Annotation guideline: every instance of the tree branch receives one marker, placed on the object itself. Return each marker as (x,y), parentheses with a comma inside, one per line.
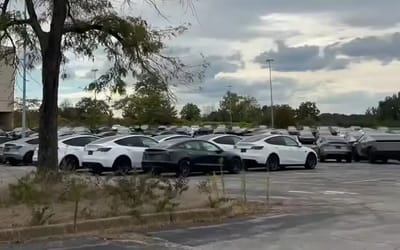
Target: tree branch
(33,19)
(81,27)
(4,7)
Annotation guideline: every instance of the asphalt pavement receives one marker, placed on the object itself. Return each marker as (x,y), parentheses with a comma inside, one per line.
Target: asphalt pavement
(336,206)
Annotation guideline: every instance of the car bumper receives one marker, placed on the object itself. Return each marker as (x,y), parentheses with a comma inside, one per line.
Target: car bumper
(255,158)
(14,156)
(160,166)
(335,154)
(99,159)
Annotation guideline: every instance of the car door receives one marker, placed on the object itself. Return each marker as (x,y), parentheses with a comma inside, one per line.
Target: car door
(297,154)
(279,144)
(76,146)
(212,156)
(134,148)
(195,152)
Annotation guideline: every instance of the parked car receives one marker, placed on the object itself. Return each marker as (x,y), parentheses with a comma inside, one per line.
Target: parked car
(168,137)
(184,156)
(334,147)
(275,152)
(306,137)
(20,151)
(70,151)
(225,141)
(379,146)
(3,141)
(203,131)
(293,130)
(116,153)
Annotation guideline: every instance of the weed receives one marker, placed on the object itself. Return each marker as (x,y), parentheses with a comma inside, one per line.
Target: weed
(210,187)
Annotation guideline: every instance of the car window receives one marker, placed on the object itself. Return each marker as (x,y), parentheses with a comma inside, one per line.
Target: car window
(33,141)
(130,142)
(209,147)
(80,141)
(176,137)
(148,142)
(290,142)
(191,145)
(277,140)
(225,140)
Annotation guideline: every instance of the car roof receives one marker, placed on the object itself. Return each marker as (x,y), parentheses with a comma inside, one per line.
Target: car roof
(68,137)
(213,136)
(115,137)
(161,137)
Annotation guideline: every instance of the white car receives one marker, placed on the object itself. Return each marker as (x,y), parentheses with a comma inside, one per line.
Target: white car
(70,151)
(20,151)
(162,138)
(224,141)
(274,152)
(117,153)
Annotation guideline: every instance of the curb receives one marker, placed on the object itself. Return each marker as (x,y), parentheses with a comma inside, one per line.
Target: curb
(121,222)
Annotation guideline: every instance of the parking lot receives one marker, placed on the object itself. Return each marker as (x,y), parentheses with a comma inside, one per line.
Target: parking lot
(336,206)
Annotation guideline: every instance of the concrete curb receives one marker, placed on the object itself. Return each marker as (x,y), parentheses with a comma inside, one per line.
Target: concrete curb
(121,222)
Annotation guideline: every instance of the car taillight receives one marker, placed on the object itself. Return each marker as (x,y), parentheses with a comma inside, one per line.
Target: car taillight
(103,149)
(257,147)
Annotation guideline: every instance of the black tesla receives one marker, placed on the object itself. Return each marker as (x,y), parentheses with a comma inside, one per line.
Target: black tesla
(188,155)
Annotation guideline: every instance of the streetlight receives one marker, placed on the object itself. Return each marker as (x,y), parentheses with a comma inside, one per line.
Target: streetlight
(230,104)
(269,61)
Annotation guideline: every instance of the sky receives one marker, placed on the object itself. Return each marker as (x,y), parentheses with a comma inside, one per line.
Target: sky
(343,54)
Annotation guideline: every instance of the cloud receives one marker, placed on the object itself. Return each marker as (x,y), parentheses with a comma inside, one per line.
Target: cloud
(383,48)
(302,58)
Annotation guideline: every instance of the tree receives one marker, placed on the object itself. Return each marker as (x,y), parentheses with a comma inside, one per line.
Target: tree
(150,104)
(53,27)
(389,108)
(307,112)
(190,112)
(93,112)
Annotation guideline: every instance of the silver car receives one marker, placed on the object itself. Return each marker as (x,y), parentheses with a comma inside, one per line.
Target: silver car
(377,147)
(20,151)
(334,147)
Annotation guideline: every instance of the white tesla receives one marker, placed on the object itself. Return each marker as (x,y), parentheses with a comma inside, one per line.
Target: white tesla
(275,152)
(225,141)
(116,153)
(70,151)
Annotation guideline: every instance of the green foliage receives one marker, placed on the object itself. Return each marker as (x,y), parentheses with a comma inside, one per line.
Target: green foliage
(307,113)
(150,104)
(210,188)
(93,112)
(169,191)
(190,112)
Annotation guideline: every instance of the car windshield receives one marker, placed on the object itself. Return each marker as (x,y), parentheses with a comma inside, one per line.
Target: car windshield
(169,143)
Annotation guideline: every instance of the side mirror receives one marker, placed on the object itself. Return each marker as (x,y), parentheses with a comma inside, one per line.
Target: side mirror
(219,151)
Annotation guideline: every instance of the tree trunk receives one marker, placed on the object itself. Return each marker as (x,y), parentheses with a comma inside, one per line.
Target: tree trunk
(51,61)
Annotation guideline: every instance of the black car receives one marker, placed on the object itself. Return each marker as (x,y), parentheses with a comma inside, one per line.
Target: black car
(184,156)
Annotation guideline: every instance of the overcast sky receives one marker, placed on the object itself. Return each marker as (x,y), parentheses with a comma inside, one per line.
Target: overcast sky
(342,54)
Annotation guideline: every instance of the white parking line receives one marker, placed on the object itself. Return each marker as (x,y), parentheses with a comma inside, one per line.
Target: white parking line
(368,180)
(337,192)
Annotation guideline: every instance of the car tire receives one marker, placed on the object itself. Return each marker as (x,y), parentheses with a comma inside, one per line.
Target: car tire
(384,160)
(338,160)
(349,158)
(322,159)
(272,163)
(27,160)
(13,162)
(184,168)
(122,166)
(311,161)
(236,166)
(69,163)
(356,157)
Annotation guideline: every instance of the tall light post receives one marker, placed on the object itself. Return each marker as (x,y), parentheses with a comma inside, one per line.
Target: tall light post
(230,104)
(95,78)
(269,61)
(24,84)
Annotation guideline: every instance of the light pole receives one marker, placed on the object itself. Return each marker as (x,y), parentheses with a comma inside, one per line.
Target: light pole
(24,84)
(95,89)
(269,61)
(230,104)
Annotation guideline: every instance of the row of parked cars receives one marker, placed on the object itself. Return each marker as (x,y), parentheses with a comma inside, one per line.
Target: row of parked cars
(180,153)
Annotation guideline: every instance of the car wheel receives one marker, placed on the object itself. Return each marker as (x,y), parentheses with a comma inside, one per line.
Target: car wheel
(356,157)
(272,163)
(322,159)
(349,158)
(236,166)
(13,162)
(311,161)
(27,160)
(384,160)
(338,160)
(69,164)
(184,168)
(122,166)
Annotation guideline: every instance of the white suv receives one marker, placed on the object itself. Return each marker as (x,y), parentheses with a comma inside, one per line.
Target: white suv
(116,153)
(70,151)
(274,152)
